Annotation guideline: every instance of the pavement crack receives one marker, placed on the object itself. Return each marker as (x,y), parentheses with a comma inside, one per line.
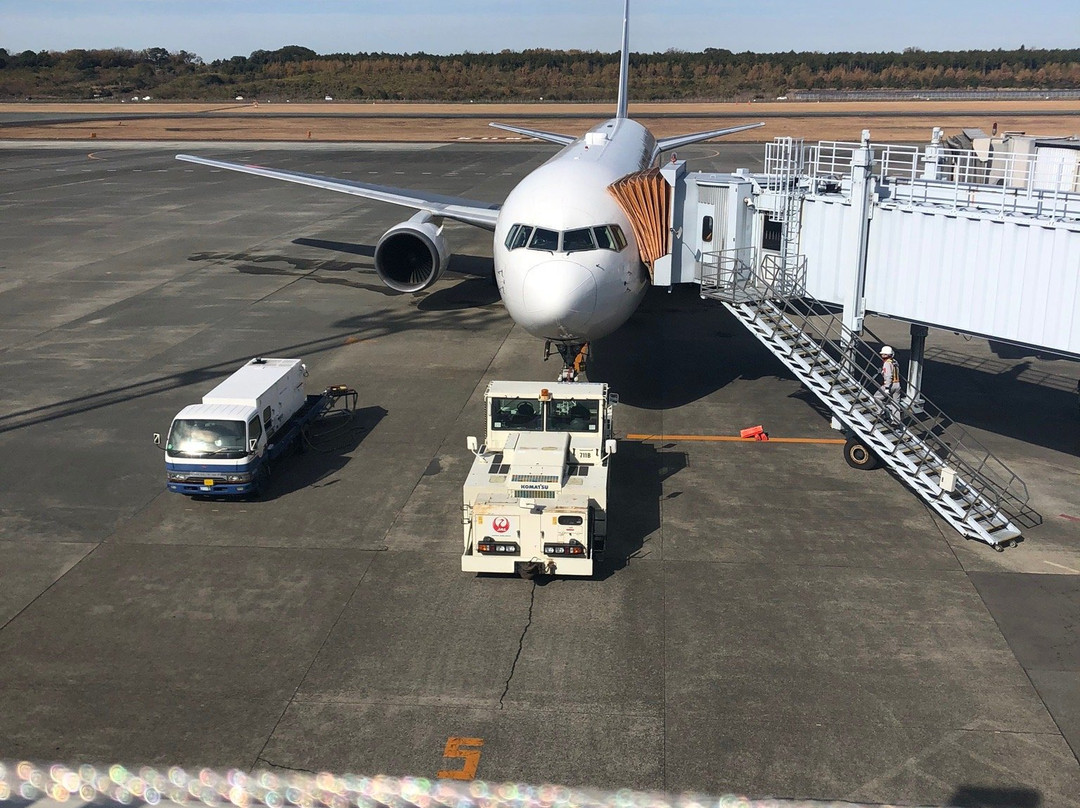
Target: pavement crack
(521,644)
(286,768)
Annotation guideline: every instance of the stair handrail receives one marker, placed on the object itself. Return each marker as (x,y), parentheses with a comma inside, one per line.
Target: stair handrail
(824,328)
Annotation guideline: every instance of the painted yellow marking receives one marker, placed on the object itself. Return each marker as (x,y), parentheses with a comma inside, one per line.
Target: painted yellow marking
(459,748)
(731,439)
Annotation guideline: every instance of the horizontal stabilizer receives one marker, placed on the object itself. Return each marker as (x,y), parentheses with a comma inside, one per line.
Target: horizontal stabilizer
(468,211)
(668,143)
(550,137)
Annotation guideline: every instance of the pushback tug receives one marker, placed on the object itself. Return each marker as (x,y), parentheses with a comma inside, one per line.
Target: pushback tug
(535,500)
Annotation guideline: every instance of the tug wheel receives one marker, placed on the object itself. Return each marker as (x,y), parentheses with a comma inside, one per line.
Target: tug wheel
(859,456)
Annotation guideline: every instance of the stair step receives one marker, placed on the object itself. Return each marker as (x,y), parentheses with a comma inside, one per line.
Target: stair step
(913,446)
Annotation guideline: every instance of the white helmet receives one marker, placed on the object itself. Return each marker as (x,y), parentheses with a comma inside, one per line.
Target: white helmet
(887,351)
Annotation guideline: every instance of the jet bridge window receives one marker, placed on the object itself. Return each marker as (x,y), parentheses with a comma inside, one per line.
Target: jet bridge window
(518,236)
(517,414)
(544,240)
(570,415)
(578,240)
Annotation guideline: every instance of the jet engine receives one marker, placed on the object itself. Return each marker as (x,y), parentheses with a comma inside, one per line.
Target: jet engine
(412,255)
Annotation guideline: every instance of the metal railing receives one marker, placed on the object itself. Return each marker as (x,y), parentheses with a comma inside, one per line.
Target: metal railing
(1043,185)
(849,362)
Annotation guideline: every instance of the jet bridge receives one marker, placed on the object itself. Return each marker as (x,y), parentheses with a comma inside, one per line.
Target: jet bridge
(980,242)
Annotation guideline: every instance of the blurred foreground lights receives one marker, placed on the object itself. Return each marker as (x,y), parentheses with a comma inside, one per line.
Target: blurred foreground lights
(286,789)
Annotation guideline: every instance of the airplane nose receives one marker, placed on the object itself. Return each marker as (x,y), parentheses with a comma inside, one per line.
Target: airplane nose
(559,297)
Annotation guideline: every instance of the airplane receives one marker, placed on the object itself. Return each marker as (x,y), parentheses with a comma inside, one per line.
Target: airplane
(567,263)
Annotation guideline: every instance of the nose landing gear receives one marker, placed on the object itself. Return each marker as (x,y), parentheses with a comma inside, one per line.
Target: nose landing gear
(574,356)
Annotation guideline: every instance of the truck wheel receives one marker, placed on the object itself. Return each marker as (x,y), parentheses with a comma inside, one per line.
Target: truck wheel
(262,480)
(859,456)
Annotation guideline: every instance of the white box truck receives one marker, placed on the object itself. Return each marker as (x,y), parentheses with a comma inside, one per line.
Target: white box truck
(535,500)
(224,445)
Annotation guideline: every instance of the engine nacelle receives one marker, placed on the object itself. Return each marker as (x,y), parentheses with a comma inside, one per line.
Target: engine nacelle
(412,255)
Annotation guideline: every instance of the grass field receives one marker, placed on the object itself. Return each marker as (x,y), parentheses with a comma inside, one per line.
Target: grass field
(344,122)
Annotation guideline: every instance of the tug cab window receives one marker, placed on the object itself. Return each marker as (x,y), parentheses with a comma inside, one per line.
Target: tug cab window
(578,240)
(569,415)
(517,414)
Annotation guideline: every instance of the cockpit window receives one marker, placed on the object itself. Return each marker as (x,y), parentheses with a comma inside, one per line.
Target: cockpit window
(544,240)
(610,237)
(518,236)
(578,240)
(604,237)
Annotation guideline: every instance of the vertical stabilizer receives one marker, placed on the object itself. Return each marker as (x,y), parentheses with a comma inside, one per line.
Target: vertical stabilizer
(624,63)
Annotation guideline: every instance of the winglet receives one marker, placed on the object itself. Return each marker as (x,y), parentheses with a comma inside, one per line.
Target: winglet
(624,64)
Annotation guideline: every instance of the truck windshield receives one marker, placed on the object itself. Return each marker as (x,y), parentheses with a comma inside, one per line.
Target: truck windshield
(518,414)
(199,438)
(570,415)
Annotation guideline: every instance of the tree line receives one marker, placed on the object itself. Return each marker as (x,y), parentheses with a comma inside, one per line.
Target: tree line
(298,73)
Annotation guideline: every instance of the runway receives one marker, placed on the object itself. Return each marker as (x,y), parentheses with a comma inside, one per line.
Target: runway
(769,621)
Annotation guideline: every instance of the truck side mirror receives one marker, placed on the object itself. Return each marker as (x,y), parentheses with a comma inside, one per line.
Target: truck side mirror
(157,438)
(611,446)
(252,444)
(471,444)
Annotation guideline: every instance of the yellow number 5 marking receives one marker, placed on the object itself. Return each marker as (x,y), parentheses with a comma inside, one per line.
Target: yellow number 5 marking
(459,748)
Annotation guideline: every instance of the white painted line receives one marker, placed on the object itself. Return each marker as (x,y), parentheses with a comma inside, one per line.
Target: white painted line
(1062,567)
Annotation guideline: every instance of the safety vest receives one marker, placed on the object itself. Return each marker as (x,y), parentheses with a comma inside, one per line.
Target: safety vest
(890,373)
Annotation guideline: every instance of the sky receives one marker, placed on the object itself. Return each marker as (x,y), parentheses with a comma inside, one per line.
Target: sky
(222,28)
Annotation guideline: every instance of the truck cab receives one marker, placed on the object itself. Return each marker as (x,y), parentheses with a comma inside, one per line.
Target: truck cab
(215,449)
(223,445)
(535,500)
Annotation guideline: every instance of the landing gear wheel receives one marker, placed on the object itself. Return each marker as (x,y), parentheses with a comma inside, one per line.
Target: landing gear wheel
(859,456)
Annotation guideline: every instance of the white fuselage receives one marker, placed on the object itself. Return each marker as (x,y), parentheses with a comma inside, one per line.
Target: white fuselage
(575,295)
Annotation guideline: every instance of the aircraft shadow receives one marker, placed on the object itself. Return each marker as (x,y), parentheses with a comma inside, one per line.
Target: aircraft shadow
(677,349)
(477,290)
(325,453)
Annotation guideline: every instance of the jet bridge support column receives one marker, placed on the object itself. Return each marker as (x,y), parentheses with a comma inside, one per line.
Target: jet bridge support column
(852,254)
(913,396)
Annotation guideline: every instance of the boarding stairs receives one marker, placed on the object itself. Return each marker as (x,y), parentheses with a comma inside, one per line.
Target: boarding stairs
(957,477)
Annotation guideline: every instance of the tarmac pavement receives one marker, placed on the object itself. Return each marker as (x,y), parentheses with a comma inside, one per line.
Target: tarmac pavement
(768,621)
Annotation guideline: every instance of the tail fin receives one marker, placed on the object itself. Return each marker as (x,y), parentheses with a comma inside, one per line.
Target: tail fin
(624,63)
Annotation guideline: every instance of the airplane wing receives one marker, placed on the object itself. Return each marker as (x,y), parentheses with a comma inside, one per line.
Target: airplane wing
(481,214)
(667,143)
(550,137)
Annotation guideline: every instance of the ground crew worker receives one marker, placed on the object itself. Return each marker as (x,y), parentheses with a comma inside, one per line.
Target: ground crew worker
(889,395)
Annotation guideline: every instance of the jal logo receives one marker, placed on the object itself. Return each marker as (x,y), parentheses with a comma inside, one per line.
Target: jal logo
(501,524)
